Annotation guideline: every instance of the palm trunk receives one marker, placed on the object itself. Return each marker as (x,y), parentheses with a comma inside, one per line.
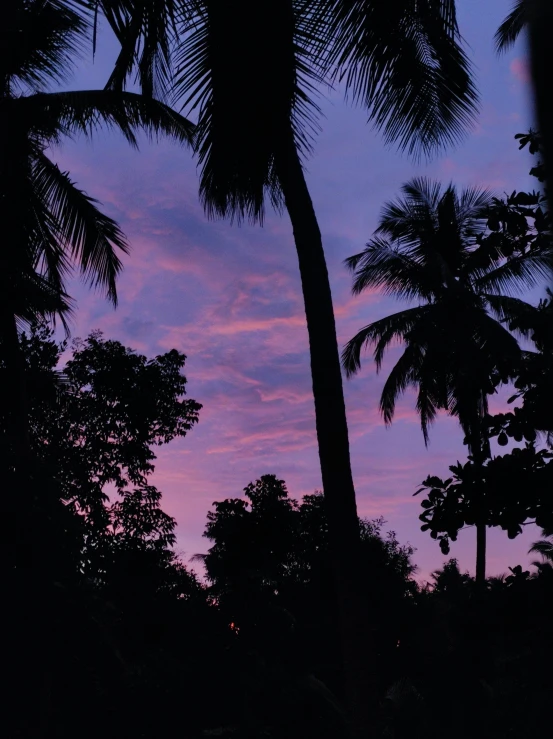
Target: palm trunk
(541,49)
(14,392)
(332,437)
(480,452)
(17,549)
(481,554)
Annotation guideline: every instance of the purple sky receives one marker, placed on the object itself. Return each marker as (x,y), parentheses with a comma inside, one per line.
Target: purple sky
(230,298)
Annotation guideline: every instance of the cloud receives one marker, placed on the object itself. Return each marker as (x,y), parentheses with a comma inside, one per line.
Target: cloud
(520,70)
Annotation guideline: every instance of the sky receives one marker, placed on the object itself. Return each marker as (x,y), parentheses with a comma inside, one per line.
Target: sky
(229,297)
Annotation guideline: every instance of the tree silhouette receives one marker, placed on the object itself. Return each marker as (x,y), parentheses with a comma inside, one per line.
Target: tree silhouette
(431,247)
(108,608)
(93,430)
(269,569)
(402,61)
(450,579)
(517,488)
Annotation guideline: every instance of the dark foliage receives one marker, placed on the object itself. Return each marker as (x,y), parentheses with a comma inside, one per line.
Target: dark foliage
(270,571)
(100,605)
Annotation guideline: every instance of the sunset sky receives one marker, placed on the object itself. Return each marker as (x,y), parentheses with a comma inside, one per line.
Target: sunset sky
(230,298)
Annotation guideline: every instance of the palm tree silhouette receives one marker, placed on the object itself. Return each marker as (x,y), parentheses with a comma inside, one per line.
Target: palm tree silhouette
(49,224)
(426,249)
(249,71)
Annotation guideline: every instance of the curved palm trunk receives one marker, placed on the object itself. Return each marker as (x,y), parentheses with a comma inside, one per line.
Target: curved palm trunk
(541,49)
(480,554)
(332,437)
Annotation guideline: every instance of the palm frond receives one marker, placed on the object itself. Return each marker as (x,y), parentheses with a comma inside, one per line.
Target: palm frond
(405,63)
(38,299)
(517,274)
(543,547)
(511,310)
(406,220)
(423,191)
(512,26)
(58,114)
(386,267)
(81,229)
(472,206)
(147,32)
(40,42)
(411,371)
(381,334)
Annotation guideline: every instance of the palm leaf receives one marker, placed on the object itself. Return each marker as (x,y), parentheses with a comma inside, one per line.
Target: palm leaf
(389,268)
(38,299)
(511,310)
(147,32)
(411,371)
(404,62)
(59,114)
(512,26)
(80,228)
(40,42)
(380,334)
(406,220)
(517,274)
(543,547)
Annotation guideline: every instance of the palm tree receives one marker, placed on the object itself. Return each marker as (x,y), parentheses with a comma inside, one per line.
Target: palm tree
(426,249)
(49,225)
(249,70)
(450,580)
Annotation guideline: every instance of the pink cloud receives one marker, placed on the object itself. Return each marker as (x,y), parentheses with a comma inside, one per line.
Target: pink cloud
(520,70)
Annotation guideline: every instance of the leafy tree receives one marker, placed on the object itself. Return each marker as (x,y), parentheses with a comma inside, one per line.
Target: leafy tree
(107,602)
(94,426)
(402,61)
(517,488)
(438,247)
(50,225)
(270,570)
